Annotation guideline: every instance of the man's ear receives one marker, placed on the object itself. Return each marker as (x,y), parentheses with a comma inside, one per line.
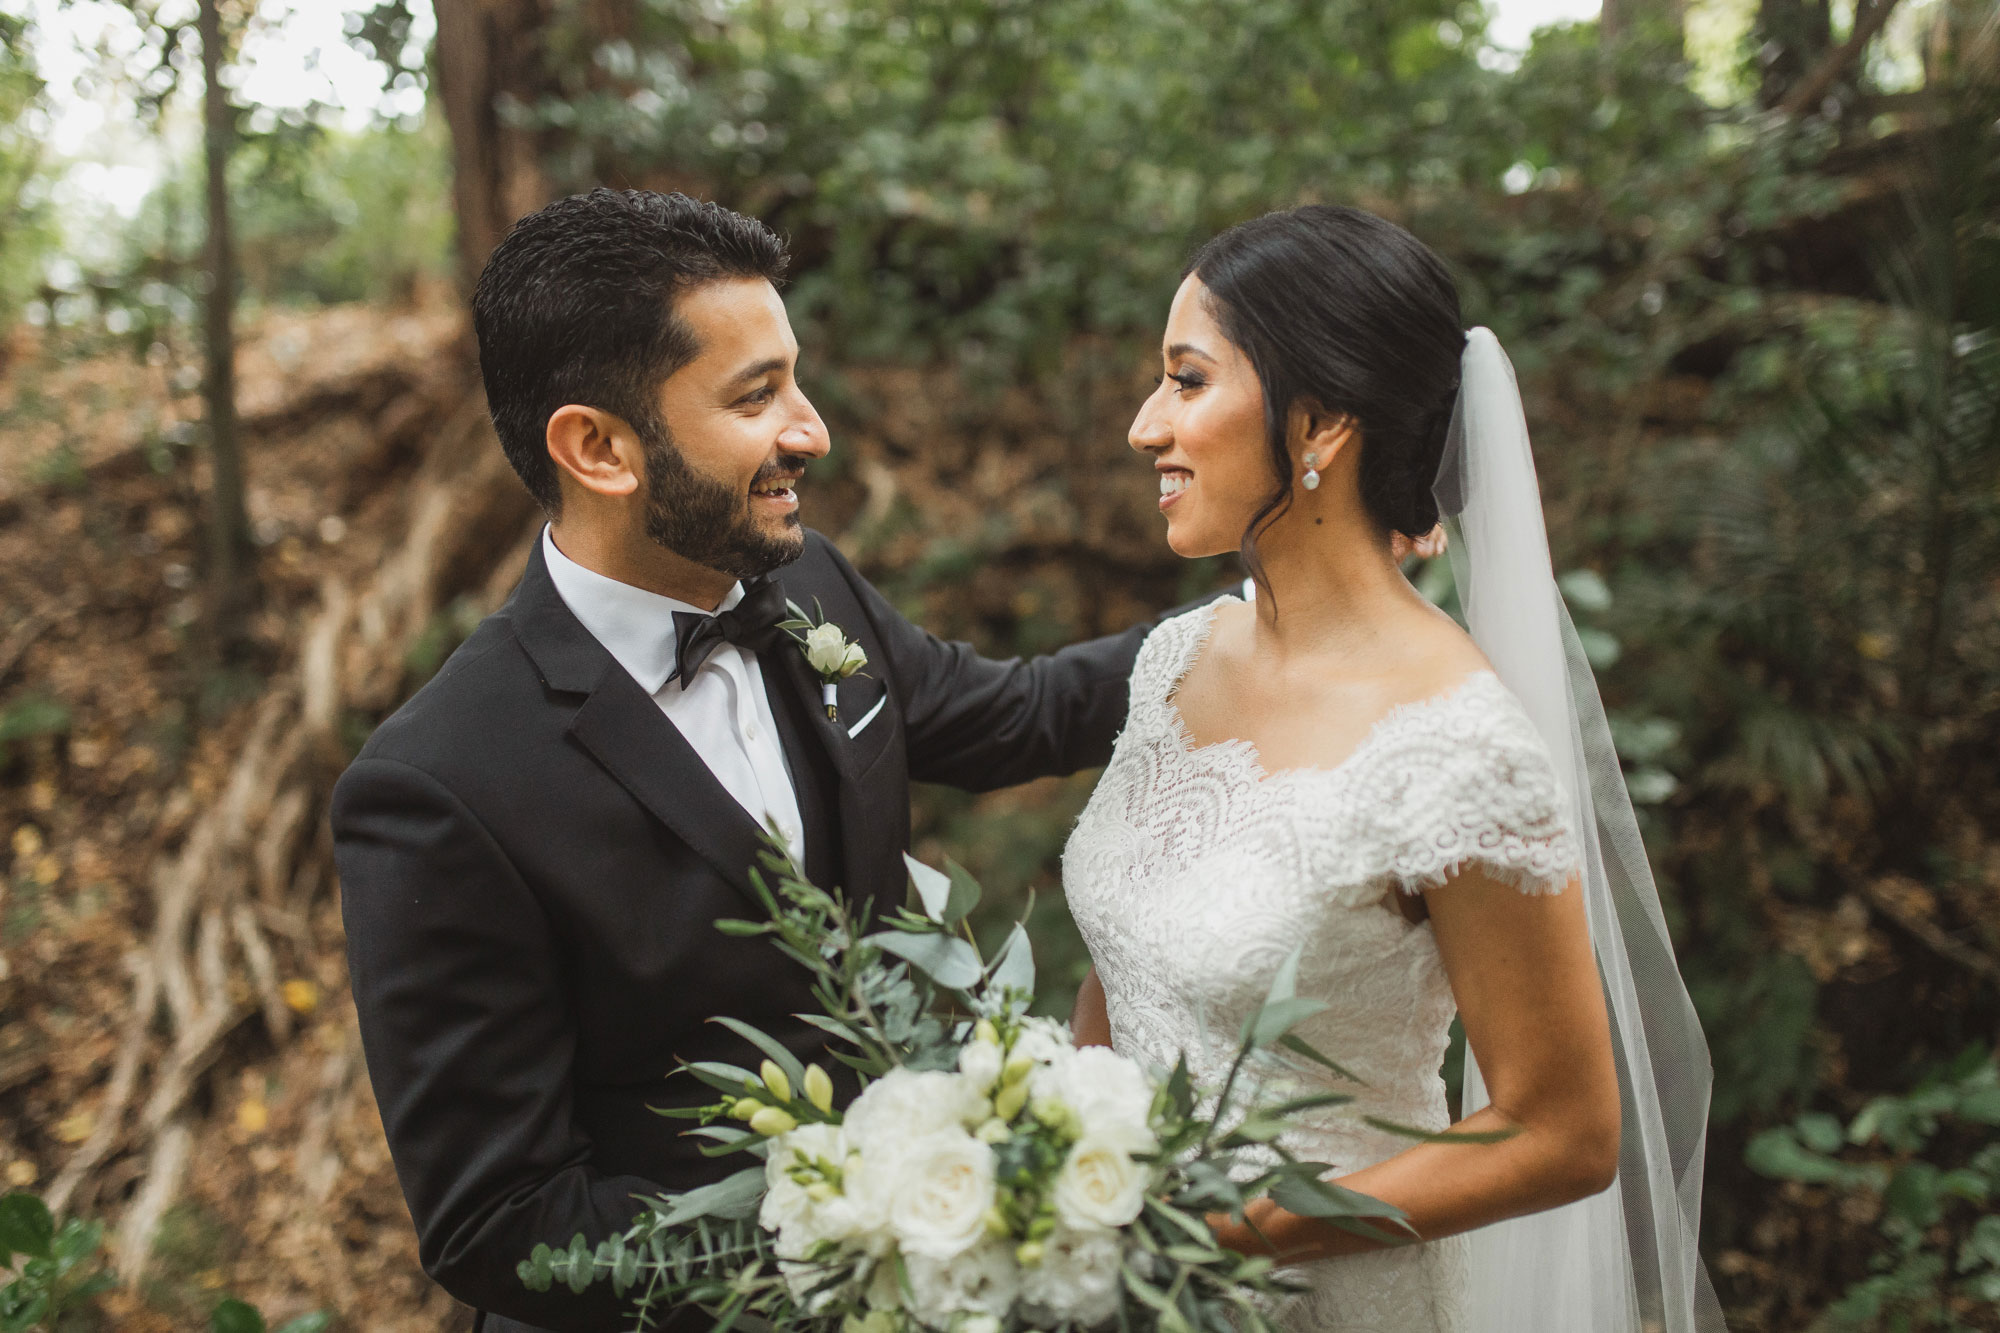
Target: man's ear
(596,448)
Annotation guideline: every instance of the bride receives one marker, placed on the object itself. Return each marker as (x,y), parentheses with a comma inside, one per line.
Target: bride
(1434,819)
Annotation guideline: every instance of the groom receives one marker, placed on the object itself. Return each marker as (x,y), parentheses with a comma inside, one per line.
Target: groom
(534,849)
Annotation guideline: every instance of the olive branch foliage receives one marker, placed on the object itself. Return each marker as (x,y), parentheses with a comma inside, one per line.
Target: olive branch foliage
(906,995)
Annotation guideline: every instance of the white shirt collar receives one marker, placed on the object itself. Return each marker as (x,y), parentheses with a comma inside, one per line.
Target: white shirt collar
(635,626)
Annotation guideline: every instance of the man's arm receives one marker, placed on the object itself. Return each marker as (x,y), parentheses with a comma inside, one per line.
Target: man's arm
(978,723)
(469,1045)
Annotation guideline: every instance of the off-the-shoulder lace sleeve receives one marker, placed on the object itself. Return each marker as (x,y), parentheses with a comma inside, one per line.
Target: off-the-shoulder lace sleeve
(1467,781)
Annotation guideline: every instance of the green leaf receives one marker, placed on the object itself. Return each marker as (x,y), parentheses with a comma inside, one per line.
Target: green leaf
(770,1046)
(1278,1017)
(1443,1135)
(730,926)
(833,1026)
(732,1196)
(964,894)
(581,1269)
(1014,969)
(316,1322)
(1820,1132)
(945,959)
(933,887)
(25,1226)
(1285,981)
(234,1316)
(1302,1192)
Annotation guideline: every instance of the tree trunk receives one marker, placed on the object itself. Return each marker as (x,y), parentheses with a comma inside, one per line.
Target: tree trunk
(229,525)
(1793,36)
(1620,19)
(490,51)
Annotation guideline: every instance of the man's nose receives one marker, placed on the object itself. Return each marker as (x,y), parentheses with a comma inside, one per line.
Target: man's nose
(806,433)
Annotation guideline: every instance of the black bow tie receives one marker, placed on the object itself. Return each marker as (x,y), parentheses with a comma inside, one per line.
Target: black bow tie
(752,623)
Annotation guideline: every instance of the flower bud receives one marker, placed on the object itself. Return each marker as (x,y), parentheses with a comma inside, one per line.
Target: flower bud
(819,1191)
(744,1107)
(993,1131)
(1029,1253)
(1007,1103)
(771,1121)
(1017,1069)
(853,661)
(819,1088)
(775,1080)
(984,1031)
(996,1224)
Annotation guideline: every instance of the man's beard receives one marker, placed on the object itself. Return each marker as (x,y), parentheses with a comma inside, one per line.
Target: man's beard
(703,520)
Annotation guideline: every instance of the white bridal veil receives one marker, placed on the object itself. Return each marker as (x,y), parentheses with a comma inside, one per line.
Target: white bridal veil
(1623,1261)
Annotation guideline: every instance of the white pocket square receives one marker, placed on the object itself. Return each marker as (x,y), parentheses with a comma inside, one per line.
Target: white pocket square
(867,717)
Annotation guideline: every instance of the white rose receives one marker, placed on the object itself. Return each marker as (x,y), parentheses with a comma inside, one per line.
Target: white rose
(1077,1279)
(1100,1185)
(982,1281)
(855,659)
(979,1062)
(826,648)
(943,1187)
(905,1104)
(1108,1092)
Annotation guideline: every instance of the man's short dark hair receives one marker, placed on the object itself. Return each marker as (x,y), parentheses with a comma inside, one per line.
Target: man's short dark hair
(577,306)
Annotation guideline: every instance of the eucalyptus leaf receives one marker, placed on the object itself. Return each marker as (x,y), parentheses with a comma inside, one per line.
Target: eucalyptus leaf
(945,959)
(933,888)
(1014,969)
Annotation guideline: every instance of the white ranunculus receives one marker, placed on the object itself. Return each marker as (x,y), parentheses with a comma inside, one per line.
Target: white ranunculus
(1041,1039)
(943,1185)
(982,1281)
(1108,1092)
(905,1104)
(1077,1279)
(826,648)
(1099,1184)
(980,1062)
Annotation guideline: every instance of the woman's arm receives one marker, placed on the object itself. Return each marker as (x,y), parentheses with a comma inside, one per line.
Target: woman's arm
(1525,978)
(1089,1023)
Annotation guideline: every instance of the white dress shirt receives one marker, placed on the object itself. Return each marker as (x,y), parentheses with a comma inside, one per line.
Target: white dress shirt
(723,712)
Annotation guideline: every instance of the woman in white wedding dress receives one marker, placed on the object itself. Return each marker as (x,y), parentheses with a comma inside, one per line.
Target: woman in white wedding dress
(1336,767)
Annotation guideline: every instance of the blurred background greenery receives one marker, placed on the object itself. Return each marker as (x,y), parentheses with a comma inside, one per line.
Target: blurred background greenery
(1744,253)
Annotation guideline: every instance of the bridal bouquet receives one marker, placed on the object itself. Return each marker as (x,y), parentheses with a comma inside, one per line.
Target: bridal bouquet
(990,1175)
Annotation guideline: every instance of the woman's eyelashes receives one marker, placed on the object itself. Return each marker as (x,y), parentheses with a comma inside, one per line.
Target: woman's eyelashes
(1185,382)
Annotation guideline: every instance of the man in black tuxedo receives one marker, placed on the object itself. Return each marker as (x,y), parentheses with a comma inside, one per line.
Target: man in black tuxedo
(534,849)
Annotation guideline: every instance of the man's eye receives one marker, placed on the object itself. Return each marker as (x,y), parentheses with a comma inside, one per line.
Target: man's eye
(761,396)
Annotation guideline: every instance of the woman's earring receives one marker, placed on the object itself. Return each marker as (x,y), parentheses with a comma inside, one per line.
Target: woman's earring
(1311,479)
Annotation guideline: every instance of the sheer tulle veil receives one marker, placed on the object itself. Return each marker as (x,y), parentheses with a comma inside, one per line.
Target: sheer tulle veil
(1623,1260)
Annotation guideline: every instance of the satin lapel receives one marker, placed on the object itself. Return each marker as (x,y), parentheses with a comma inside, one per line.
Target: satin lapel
(625,731)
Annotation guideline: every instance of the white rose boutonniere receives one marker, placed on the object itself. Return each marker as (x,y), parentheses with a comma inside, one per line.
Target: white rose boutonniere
(828,650)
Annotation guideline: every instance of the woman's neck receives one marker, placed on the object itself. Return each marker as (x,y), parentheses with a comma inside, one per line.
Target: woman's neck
(1333,587)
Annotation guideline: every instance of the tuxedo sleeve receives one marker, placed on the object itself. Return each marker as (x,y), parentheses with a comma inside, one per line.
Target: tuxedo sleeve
(979,723)
(469,1043)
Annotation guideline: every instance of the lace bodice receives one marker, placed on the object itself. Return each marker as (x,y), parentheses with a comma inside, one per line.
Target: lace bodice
(1193,873)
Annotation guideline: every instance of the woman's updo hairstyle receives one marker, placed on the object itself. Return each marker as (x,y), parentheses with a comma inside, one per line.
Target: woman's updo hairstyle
(1341,308)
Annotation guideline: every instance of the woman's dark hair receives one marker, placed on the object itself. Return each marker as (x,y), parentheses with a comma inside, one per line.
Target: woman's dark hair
(576,305)
(1344,310)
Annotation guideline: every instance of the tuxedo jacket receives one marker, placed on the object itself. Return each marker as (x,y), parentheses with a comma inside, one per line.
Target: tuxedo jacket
(531,863)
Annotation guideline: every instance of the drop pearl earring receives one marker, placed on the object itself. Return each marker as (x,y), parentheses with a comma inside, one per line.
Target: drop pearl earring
(1311,478)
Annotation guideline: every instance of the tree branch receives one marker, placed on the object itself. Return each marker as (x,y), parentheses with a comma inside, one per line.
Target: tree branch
(1813,89)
